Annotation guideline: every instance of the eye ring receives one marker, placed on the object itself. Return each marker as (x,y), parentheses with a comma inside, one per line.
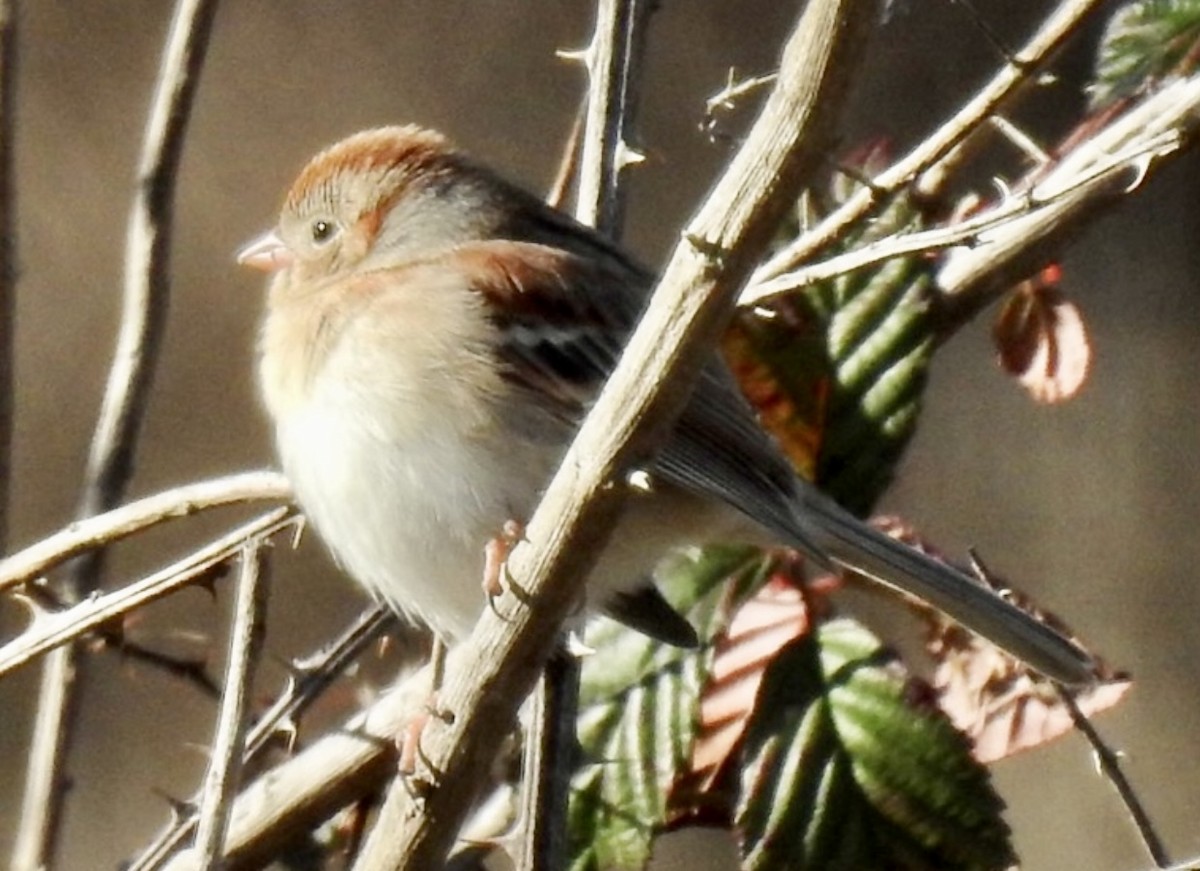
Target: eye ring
(322,230)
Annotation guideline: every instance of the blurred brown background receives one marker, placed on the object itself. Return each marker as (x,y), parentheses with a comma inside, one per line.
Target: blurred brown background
(1092,505)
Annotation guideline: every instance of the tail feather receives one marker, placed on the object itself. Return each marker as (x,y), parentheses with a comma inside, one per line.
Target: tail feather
(855,545)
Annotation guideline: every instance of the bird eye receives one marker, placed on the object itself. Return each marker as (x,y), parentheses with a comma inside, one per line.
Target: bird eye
(322,230)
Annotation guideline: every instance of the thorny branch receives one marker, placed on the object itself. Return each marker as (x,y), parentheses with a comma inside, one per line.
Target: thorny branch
(310,678)
(1019,69)
(614,61)
(111,460)
(50,631)
(1009,252)
(134,517)
(225,757)
(1110,766)
(1093,181)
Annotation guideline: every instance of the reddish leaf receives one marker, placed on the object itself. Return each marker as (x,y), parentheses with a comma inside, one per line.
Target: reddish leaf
(776,615)
(789,393)
(1042,341)
(992,698)
(998,702)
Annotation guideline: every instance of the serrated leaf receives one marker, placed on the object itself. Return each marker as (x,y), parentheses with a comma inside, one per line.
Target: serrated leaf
(844,769)
(1002,707)
(776,615)
(1145,42)
(638,710)
(836,371)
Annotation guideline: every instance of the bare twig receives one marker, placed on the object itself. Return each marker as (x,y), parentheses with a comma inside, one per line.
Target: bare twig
(1048,39)
(567,166)
(614,62)
(245,648)
(1110,766)
(687,312)
(307,789)
(970,278)
(549,760)
(103,529)
(110,462)
(147,258)
(1093,179)
(8,250)
(310,678)
(49,631)
(726,99)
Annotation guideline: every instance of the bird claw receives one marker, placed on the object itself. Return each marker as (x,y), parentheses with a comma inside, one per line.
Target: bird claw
(496,577)
(410,755)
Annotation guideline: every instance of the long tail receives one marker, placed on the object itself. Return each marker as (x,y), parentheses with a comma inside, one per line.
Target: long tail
(853,544)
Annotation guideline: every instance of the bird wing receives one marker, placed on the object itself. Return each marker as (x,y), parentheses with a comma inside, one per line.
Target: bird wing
(563,320)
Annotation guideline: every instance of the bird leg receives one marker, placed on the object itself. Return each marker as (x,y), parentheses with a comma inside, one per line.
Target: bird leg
(495,560)
(408,742)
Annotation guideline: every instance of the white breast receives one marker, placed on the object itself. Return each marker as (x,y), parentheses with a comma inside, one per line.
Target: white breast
(407,518)
(401,469)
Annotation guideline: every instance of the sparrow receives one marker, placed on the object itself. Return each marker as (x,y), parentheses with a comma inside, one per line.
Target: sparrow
(433,337)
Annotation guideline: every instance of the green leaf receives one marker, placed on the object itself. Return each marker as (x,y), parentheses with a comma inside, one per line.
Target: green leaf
(638,710)
(843,770)
(837,373)
(1145,42)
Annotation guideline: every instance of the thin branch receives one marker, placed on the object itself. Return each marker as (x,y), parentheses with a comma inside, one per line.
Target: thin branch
(726,100)
(1110,766)
(245,649)
(110,462)
(147,259)
(49,631)
(549,759)
(299,794)
(649,387)
(969,279)
(310,679)
(1092,180)
(1049,38)
(134,517)
(614,61)
(9,11)
(45,783)
(569,164)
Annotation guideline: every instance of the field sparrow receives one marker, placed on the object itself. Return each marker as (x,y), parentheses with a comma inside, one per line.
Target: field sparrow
(433,336)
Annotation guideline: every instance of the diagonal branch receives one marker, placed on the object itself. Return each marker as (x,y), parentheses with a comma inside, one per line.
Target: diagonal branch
(54,630)
(1091,182)
(135,517)
(101,530)
(685,316)
(1045,42)
(310,679)
(969,279)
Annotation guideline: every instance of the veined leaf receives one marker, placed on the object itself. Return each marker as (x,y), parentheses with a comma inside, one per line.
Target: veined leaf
(638,708)
(844,769)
